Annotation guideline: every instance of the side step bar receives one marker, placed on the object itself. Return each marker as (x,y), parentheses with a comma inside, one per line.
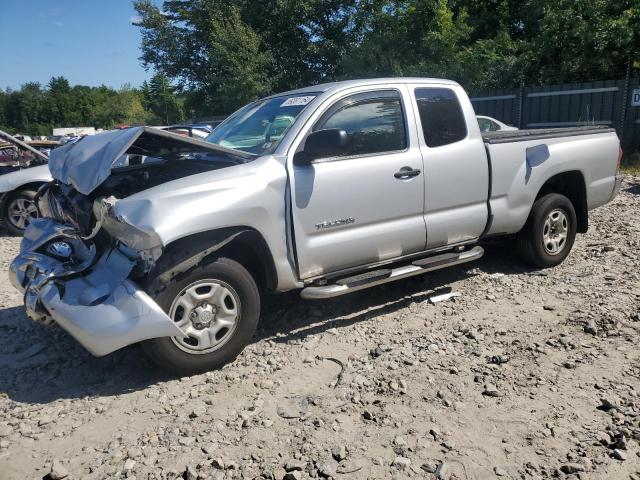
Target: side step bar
(378,277)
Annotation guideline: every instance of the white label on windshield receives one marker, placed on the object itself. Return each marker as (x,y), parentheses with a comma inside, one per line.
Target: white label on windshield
(295,101)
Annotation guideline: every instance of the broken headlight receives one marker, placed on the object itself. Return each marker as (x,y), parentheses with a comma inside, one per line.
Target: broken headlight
(60,250)
(146,245)
(66,205)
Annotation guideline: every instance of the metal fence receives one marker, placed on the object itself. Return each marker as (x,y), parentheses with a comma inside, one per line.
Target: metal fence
(609,102)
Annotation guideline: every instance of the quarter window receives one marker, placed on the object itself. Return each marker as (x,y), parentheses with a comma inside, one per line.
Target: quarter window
(374,122)
(441,116)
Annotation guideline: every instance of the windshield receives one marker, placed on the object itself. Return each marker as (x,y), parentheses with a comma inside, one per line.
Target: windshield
(259,127)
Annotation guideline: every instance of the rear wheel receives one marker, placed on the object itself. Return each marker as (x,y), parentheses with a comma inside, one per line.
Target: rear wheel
(550,231)
(20,211)
(217,306)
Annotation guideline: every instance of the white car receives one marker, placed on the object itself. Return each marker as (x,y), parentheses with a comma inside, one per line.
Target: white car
(489,124)
(23,169)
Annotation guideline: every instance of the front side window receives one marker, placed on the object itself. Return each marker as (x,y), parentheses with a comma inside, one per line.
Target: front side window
(441,116)
(259,127)
(374,122)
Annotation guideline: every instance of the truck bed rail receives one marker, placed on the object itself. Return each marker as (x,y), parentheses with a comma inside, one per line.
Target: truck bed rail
(509,136)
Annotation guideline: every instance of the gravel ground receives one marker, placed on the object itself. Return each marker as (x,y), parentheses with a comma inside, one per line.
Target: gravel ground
(527,374)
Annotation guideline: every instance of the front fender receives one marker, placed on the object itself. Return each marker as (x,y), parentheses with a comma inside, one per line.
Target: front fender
(250,195)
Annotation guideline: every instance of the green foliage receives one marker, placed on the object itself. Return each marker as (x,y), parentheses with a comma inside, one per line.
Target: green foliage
(585,39)
(631,163)
(161,99)
(36,110)
(226,52)
(431,38)
(240,63)
(212,56)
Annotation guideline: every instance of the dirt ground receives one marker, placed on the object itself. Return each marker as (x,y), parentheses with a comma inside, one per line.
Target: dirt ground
(526,375)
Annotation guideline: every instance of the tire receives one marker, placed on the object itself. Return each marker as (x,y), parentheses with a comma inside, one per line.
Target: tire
(19,209)
(548,236)
(220,288)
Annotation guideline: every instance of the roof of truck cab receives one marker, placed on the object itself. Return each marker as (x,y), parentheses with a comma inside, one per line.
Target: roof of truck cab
(336,86)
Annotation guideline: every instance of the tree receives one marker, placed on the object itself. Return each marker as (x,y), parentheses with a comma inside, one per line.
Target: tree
(208,49)
(59,101)
(227,52)
(25,109)
(211,56)
(432,38)
(35,110)
(127,107)
(584,40)
(3,114)
(161,99)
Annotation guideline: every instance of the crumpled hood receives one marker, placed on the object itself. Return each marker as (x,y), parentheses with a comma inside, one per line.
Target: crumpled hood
(87,163)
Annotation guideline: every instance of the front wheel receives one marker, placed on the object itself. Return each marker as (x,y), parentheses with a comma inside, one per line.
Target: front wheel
(217,306)
(547,238)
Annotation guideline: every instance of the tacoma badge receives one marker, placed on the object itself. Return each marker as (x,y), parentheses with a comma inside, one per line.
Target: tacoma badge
(335,223)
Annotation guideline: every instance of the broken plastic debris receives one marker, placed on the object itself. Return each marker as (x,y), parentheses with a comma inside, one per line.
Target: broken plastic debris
(441,297)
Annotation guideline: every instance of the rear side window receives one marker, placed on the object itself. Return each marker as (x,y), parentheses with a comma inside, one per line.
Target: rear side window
(374,122)
(441,116)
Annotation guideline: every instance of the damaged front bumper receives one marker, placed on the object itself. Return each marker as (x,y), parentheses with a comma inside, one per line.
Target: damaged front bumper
(88,295)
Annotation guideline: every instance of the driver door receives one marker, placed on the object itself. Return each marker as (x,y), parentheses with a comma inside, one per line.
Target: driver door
(357,208)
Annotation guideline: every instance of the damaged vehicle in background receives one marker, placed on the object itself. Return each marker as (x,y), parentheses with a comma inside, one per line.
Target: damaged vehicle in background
(329,190)
(23,169)
(197,131)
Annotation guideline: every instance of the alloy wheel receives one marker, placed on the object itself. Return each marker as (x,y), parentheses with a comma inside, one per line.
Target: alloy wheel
(21,212)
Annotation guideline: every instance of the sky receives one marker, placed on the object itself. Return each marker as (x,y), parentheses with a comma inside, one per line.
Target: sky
(90,42)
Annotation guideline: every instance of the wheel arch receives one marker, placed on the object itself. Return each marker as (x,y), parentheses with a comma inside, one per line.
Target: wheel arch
(572,185)
(243,244)
(34,186)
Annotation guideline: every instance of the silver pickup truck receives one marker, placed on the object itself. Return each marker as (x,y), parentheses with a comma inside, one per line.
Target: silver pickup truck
(327,189)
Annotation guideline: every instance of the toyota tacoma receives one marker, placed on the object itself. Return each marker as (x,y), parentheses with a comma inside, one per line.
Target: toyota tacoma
(328,189)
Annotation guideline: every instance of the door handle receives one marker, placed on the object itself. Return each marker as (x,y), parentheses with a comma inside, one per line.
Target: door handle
(406,172)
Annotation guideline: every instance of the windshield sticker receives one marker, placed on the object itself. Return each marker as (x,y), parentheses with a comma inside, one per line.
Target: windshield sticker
(296,101)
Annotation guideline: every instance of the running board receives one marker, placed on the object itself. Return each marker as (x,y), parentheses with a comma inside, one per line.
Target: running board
(378,277)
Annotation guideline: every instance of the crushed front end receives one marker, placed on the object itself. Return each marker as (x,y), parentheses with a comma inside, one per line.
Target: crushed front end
(78,265)
(74,272)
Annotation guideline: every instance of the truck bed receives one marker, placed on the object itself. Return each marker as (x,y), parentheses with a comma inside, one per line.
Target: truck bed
(509,136)
(521,161)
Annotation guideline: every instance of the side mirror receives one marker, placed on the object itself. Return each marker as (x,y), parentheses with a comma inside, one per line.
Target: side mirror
(331,142)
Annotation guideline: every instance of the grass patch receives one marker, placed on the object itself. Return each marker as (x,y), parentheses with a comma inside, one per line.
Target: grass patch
(631,163)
